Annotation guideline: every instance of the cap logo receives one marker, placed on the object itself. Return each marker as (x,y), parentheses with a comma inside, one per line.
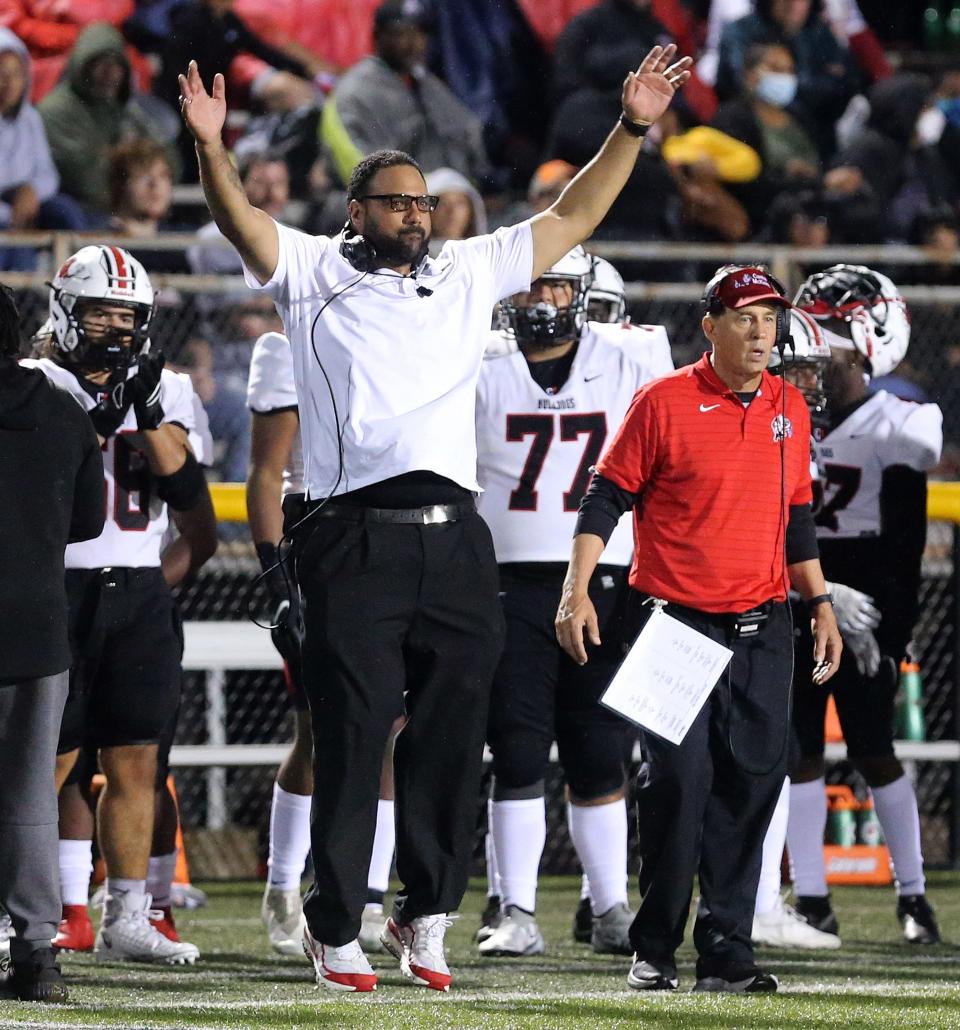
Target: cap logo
(744,279)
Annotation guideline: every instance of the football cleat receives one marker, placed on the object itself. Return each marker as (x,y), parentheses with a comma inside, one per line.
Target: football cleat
(282,915)
(75,932)
(38,978)
(419,947)
(127,935)
(784,927)
(517,934)
(610,934)
(161,919)
(185,895)
(646,975)
(583,922)
(489,918)
(339,969)
(917,919)
(818,912)
(371,924)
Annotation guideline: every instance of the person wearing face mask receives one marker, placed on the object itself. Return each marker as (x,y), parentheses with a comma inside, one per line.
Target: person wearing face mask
(390,100)
(760,117)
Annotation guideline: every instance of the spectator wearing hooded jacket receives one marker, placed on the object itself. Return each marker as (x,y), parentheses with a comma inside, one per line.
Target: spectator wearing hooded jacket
(29,182)
(460,213)
(92,109)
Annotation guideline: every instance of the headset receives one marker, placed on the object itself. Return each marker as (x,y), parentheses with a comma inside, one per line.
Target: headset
(712,304)
(363,256)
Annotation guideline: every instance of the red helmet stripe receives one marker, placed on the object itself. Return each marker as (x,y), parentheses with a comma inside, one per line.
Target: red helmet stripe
(121,264)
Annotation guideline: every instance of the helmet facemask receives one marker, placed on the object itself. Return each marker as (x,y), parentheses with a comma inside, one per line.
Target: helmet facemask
(541,324)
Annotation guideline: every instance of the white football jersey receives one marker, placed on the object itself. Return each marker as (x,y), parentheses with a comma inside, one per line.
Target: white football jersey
(537,450)
(271,387)
(851,458)
(136,518)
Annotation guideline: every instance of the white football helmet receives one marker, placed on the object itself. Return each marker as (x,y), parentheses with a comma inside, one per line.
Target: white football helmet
(541,324)
(805,357)
(102,273)
(606,298)
(876,317)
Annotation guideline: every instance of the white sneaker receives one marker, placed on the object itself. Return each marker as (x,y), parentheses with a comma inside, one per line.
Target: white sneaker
(371,926)
(419,947)
(339,969)
(784,927)
(517,934)
(282,915)
(126,935)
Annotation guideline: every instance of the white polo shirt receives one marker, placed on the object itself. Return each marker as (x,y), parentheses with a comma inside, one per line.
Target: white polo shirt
(402,368)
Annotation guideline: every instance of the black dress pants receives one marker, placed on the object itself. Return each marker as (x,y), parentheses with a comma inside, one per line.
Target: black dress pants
(704,805)
(398,617)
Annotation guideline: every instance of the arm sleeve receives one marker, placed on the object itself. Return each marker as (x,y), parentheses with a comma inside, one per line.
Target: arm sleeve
(89,510)
(903,536)
(801,535)
(601,507)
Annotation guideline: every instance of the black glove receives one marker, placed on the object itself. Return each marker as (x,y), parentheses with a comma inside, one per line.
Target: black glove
(111,410)
(287,618)
(144,389)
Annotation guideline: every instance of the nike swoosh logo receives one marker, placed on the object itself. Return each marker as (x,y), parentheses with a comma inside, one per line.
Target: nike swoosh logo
(704,408)
(590,379)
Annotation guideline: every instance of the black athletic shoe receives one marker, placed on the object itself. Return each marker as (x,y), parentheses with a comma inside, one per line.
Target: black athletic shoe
(818,912)
(917,919)
(583,922)
(647,975)
(736,979)
(490,919)
(37,978)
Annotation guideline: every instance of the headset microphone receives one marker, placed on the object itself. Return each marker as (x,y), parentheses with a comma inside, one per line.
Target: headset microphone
(423,291)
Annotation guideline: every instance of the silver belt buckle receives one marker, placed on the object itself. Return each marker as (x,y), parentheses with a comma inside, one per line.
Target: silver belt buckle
(434,515)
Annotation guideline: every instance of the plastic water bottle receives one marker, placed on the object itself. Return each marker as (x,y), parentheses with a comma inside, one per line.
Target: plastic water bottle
(910,723)
(868,826)
(933,27)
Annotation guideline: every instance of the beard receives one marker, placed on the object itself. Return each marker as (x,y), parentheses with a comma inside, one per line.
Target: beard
(408,247)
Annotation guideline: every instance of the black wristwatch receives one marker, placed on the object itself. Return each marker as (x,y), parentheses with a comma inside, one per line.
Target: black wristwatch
(820,599)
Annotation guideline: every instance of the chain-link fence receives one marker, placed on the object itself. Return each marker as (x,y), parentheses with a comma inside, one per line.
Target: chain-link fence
(208,326)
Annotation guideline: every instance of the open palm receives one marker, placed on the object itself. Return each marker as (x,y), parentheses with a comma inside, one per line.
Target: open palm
(647,92)
(203,113)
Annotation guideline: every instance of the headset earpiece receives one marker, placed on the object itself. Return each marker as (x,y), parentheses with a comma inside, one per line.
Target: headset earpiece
(357,251)
(783,338)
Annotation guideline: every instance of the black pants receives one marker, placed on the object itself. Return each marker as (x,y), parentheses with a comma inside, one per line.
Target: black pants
(396,616)
(704,805)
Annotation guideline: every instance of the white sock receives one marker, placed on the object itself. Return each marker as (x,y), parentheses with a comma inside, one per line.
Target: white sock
(160,874)
(76,870)
(768,889)
(493,868)
(584,879)
(599,833)
(130,893)
(519,833)
(289,838)
(805,826)
(896,806)
(384,841)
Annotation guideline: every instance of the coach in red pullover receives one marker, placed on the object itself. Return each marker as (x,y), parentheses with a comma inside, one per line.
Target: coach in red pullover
(714,460)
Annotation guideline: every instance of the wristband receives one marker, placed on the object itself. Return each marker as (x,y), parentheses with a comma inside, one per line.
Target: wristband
(636,129)
(820,599)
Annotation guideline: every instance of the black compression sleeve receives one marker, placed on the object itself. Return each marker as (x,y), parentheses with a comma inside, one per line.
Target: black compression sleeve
(801,535)
(602,506)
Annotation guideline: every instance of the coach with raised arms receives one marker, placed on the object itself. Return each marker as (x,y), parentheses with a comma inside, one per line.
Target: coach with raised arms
(396,568)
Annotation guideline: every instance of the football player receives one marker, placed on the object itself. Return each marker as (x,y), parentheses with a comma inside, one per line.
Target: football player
(125,682)
(606,297)
(873,457)
(276,474)
(543,414)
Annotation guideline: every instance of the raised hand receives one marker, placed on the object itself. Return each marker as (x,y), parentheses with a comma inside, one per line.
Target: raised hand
(203,113)
(647,92)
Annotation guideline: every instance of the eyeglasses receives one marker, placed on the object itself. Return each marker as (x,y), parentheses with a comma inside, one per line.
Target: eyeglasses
(402,201)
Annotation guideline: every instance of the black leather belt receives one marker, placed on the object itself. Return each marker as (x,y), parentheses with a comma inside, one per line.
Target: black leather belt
(431,515)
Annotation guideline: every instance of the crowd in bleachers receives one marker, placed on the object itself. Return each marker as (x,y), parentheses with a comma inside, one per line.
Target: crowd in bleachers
(805,123)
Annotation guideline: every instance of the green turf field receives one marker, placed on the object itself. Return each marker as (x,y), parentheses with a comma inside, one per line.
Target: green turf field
(875,981)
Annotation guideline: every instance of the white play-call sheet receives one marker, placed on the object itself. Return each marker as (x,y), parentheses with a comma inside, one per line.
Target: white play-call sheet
(666,677)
